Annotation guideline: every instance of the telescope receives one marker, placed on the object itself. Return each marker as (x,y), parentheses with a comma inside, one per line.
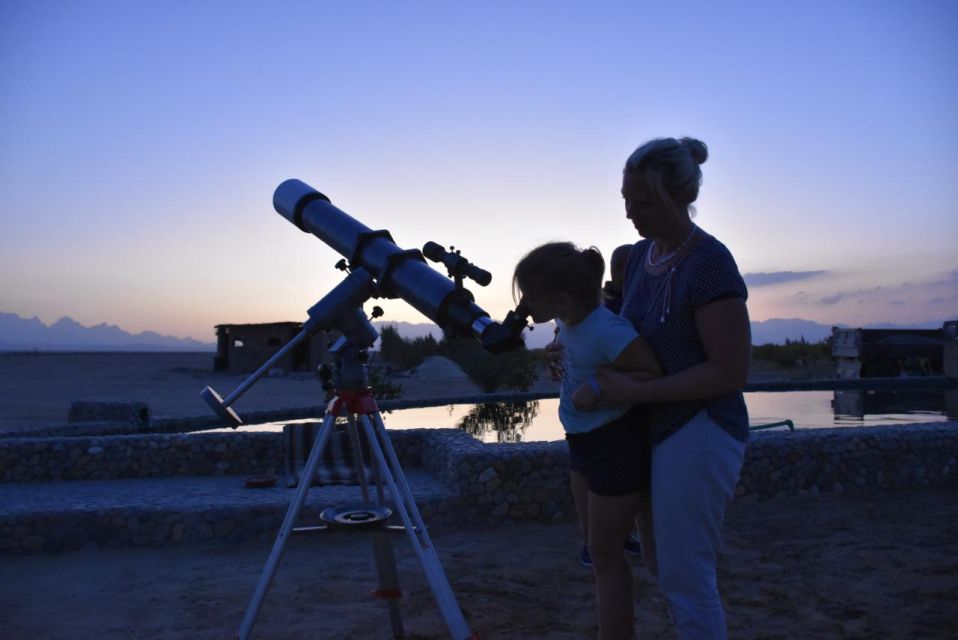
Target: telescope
(377,268)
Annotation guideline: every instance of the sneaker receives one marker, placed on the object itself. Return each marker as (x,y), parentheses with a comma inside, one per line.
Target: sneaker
(585,558)
(632,546)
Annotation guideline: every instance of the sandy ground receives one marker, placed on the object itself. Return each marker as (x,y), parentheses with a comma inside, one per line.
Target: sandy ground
(829,566)
(38,389)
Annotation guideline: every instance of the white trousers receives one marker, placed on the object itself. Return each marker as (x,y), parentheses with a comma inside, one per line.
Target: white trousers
(694,473)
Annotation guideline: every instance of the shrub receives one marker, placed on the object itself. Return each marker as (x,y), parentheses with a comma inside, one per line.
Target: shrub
(794,352)
(402,353)
(516,369)
(383,388)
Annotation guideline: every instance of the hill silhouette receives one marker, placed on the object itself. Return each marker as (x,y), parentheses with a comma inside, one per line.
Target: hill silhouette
(66,334)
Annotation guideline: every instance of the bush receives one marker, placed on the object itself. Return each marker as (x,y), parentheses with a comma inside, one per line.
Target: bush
(794,353)
(383,388)
(402,353)
(516,369)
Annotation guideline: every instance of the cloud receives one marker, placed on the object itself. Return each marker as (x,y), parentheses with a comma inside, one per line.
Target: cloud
(942,289)
(950,279)
(764,279)
(833,299)
(799,297)
(943,300)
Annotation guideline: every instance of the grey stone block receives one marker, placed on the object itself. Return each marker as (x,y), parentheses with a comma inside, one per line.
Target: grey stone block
(136,414)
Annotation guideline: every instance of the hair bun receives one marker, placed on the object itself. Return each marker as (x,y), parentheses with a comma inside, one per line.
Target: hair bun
(594,260)
(697,149)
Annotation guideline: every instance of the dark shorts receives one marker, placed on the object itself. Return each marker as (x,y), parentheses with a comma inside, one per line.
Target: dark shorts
(615,458)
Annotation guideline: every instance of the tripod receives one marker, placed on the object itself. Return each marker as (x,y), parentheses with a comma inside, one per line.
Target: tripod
(353,400)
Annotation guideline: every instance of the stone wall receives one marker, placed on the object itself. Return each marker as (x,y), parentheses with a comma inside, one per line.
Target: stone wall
(483,483)
(142,456)
(503,482)
(777,463)
(157,456)
(810,461)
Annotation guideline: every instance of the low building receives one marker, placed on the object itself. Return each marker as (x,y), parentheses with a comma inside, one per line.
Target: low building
(243,348)
(950,331)
(872,353)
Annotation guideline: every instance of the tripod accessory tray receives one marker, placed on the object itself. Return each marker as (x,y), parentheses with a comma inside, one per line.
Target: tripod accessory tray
(356,516)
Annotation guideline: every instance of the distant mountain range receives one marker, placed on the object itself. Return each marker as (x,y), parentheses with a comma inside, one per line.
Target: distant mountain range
(778,330)
(66,334)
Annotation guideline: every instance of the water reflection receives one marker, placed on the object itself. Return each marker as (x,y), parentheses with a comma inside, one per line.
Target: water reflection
(859,404)
(507,420)
(538,419)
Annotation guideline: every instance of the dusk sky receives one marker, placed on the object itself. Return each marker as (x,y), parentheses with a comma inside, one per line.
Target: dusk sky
(141,142)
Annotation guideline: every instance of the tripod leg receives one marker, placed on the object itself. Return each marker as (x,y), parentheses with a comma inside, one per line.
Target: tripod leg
(388,576)
(357,455)
(306,480)
(383,555)
(422,545)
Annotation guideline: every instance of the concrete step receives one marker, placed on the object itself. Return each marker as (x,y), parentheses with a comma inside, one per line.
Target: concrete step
(50,517)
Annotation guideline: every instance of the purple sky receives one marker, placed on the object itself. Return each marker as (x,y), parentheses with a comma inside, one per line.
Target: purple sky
(140,144)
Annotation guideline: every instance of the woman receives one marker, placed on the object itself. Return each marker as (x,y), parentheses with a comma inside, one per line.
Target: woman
(684,295)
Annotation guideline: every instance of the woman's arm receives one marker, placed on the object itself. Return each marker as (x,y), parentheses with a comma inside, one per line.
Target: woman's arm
(637,360)
(724,330)
(638,357)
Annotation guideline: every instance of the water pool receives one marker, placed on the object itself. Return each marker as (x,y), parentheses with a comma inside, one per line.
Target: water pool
(537,420)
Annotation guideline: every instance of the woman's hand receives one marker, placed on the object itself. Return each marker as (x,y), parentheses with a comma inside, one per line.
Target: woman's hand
(585,397)
(554,354)
(621,387)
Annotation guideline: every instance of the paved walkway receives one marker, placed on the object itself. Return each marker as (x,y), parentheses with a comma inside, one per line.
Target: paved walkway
(185,494)
(52,517)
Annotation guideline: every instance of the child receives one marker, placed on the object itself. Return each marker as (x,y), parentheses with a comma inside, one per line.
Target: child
(609,451)
(612,298)
(612,290)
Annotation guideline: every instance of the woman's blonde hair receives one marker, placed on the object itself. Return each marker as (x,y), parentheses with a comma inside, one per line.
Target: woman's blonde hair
(671,169)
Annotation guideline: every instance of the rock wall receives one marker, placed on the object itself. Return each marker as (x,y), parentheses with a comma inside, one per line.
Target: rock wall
(479,484)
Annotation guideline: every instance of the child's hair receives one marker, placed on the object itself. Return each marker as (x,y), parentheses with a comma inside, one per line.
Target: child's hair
(561,267)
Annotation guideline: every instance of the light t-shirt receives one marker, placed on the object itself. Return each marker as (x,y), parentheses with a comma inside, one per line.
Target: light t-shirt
(594,342)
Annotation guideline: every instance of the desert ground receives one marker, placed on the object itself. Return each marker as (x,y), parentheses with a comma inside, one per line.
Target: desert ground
(875,565)
(36,389)
(827,566)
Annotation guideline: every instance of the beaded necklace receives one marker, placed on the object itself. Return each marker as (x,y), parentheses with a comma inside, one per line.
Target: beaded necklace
(664,259)
(666,285)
